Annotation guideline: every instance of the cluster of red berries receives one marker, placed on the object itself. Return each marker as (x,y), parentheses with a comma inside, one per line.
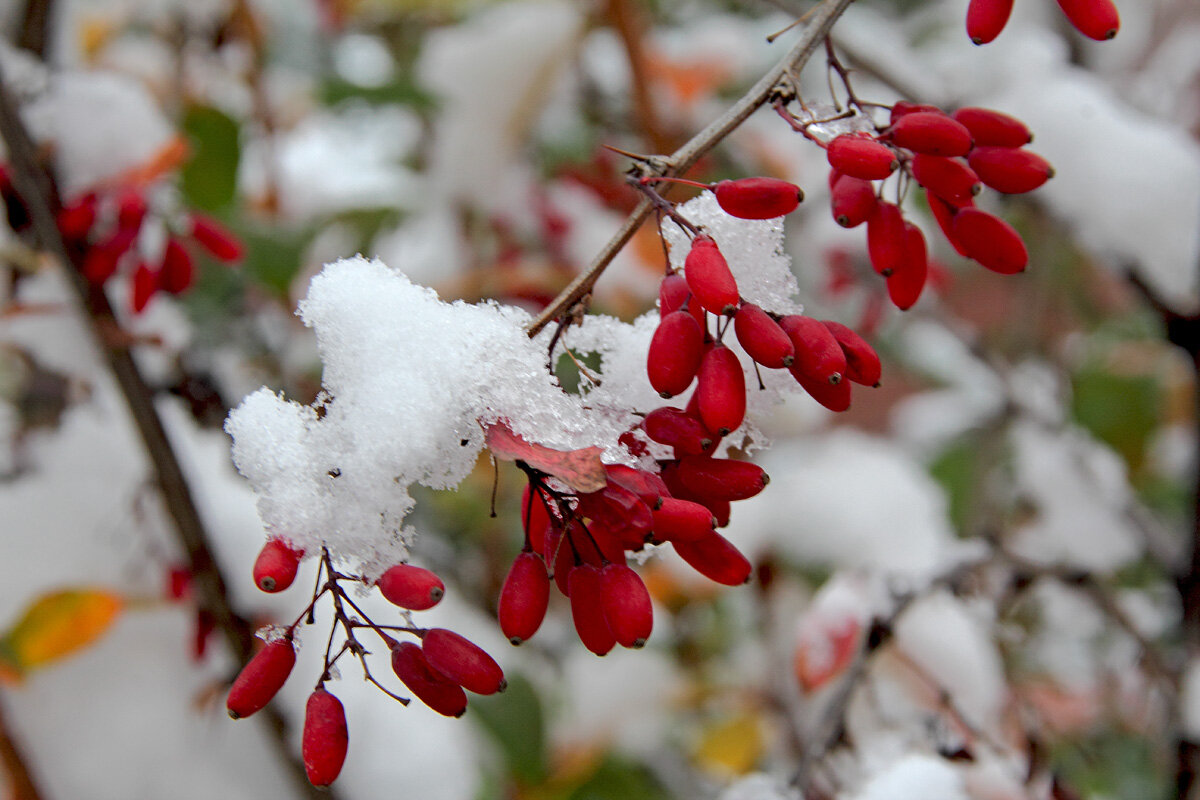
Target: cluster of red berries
(439,671)
(106,227)
(1096,19)
(951,156)
(580,541)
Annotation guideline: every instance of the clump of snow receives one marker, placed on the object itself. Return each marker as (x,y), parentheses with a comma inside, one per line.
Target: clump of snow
(915,775)
(337,160)
(101,125)
(956,651)
(407,381)
(758,786)
(816,508)
(1189,699)
(491,74)
(1079,490)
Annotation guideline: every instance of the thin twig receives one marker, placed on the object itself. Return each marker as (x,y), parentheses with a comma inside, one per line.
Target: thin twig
(686,156)
(21,785)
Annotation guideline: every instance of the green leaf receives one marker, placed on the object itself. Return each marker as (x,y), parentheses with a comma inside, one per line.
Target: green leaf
(209,178)
(957,470)
(1120,410)
(515,720)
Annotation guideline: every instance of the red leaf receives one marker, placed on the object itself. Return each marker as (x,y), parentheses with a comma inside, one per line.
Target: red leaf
(581,469)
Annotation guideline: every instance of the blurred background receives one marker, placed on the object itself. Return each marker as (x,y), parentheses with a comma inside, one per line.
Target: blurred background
(1040,426)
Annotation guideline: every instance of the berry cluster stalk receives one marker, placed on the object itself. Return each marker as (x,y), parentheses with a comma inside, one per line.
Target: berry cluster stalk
(821,21)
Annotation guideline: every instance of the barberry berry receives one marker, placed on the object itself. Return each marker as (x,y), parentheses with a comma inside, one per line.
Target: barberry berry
(1010,170)
(462,661)
(721,390)
(587,609)
(757,198)
(326,738)
(524,598)
(860,156)
(431,687)
(626,604)
(708,276)
(411,587)
(261,678)
(276,565)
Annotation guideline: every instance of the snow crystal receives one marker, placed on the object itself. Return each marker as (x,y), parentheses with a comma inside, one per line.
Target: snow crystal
(914,776)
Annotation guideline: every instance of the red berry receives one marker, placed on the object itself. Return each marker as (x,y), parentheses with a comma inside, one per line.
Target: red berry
(948,178)
(932,133)
(1010,170)
(587,609)
(944,213)
(860,156)
(992,129)
(76,218)
(214,237)
(673,293)
(675,353)
(719,478)
(131,210)
(834,396)
(715,557)
(990,240)
(885,238)
(708,276)
(758,198)
(261,678)
(430,687)
(819,357)
(986,18)
(903,107)
(678,520)
(862,362)
(524,598)
(462,662)
(144,286)
(1096,19)
(721,390)
(906,283)
(326,738)
(762,338)
(678,429)
(276,565)
(626,604)
(852,200)
(411,587)
(646,485)
(177,271)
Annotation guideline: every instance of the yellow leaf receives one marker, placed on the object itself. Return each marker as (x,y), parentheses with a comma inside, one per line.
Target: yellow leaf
(57,624)
(731,746)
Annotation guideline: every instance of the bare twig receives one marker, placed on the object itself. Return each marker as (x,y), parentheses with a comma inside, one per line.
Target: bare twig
(37,191)
(686,156)
(21,785)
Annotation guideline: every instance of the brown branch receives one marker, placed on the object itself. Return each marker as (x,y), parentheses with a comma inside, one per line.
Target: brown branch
(626,18)
(685,157)
(33,184)
(21,785)
(35,29)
